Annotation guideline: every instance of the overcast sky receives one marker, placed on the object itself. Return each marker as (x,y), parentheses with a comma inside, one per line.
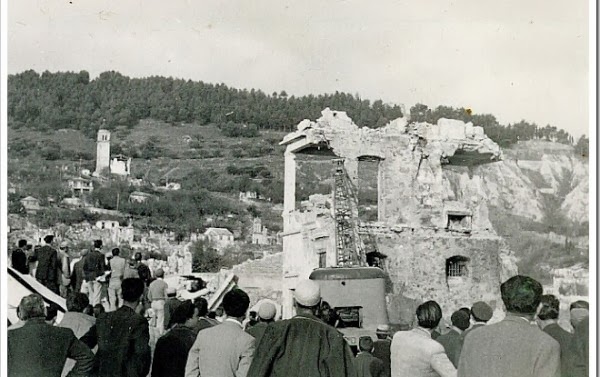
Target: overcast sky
(517,59)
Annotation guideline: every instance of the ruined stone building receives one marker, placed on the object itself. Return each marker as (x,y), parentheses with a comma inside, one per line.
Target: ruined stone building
(432,221)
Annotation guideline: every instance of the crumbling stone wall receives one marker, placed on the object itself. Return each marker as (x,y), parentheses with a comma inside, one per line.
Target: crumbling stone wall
(419,196)
(411,183)
(416,265)
(261,278)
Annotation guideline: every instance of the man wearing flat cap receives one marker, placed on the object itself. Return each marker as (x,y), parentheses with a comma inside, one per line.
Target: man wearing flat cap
(303,345)
(513,347)
(266,316)
(480,313)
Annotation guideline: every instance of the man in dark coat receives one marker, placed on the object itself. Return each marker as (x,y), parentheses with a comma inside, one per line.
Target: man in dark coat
(452,340)
(19,258)
(39,349)
(513,347)
(77,278)
(578,311)
(382,346)
(204,322)
(548,321)
(122,337)
(172,349)
(303,345)
(266,314)
(171,303)
(581,348)
(93,268)
(365,363)
(47,264)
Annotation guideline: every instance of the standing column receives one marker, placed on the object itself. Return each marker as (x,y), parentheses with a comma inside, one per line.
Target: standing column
(351,166)
(289,193)
(380,191)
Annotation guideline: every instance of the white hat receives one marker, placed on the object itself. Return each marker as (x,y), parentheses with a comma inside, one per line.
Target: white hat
(307,293)
(267,311)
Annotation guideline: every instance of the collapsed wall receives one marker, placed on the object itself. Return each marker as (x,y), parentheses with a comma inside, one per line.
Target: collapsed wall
(261,278)
(438,240)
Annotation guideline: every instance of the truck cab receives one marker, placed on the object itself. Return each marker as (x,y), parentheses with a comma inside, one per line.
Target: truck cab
(357,298)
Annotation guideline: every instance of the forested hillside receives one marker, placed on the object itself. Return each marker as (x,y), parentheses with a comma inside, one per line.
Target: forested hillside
(71,100)
(53,101)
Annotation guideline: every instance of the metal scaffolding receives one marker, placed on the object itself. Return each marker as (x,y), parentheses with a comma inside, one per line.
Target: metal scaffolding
(349,245)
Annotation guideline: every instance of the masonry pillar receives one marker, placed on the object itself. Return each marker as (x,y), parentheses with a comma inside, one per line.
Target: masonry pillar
(289,193)
(380,191)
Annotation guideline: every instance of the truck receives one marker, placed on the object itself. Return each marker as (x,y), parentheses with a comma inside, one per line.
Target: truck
(357,297)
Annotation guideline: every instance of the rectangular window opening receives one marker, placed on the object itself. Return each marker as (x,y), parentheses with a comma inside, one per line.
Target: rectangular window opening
(322,260)
(459,222)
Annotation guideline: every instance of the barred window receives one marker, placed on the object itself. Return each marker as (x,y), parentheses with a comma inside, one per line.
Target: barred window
(457,266)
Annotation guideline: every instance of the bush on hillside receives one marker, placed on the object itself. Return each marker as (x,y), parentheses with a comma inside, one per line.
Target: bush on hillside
(231,129)
(205,258)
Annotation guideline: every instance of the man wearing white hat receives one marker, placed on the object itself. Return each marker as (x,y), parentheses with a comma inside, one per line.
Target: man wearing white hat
(303,345)
(382,346)
(266,316)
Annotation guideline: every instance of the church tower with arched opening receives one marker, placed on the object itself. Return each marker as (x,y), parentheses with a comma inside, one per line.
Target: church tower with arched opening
(102,151)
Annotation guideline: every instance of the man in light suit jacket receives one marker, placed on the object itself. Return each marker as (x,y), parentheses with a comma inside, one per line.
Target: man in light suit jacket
(514,347)
(414,353)
(225,350)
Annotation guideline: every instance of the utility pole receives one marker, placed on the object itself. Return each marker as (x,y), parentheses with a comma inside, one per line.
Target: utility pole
(118,200)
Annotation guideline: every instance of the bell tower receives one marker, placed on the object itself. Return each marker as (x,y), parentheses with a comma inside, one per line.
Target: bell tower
(102,150)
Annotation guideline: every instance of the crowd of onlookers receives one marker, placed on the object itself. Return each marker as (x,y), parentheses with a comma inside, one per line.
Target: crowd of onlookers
(193,341)
(91,271)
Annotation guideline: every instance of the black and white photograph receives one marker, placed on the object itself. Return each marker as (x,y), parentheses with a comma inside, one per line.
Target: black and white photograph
(275,188)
